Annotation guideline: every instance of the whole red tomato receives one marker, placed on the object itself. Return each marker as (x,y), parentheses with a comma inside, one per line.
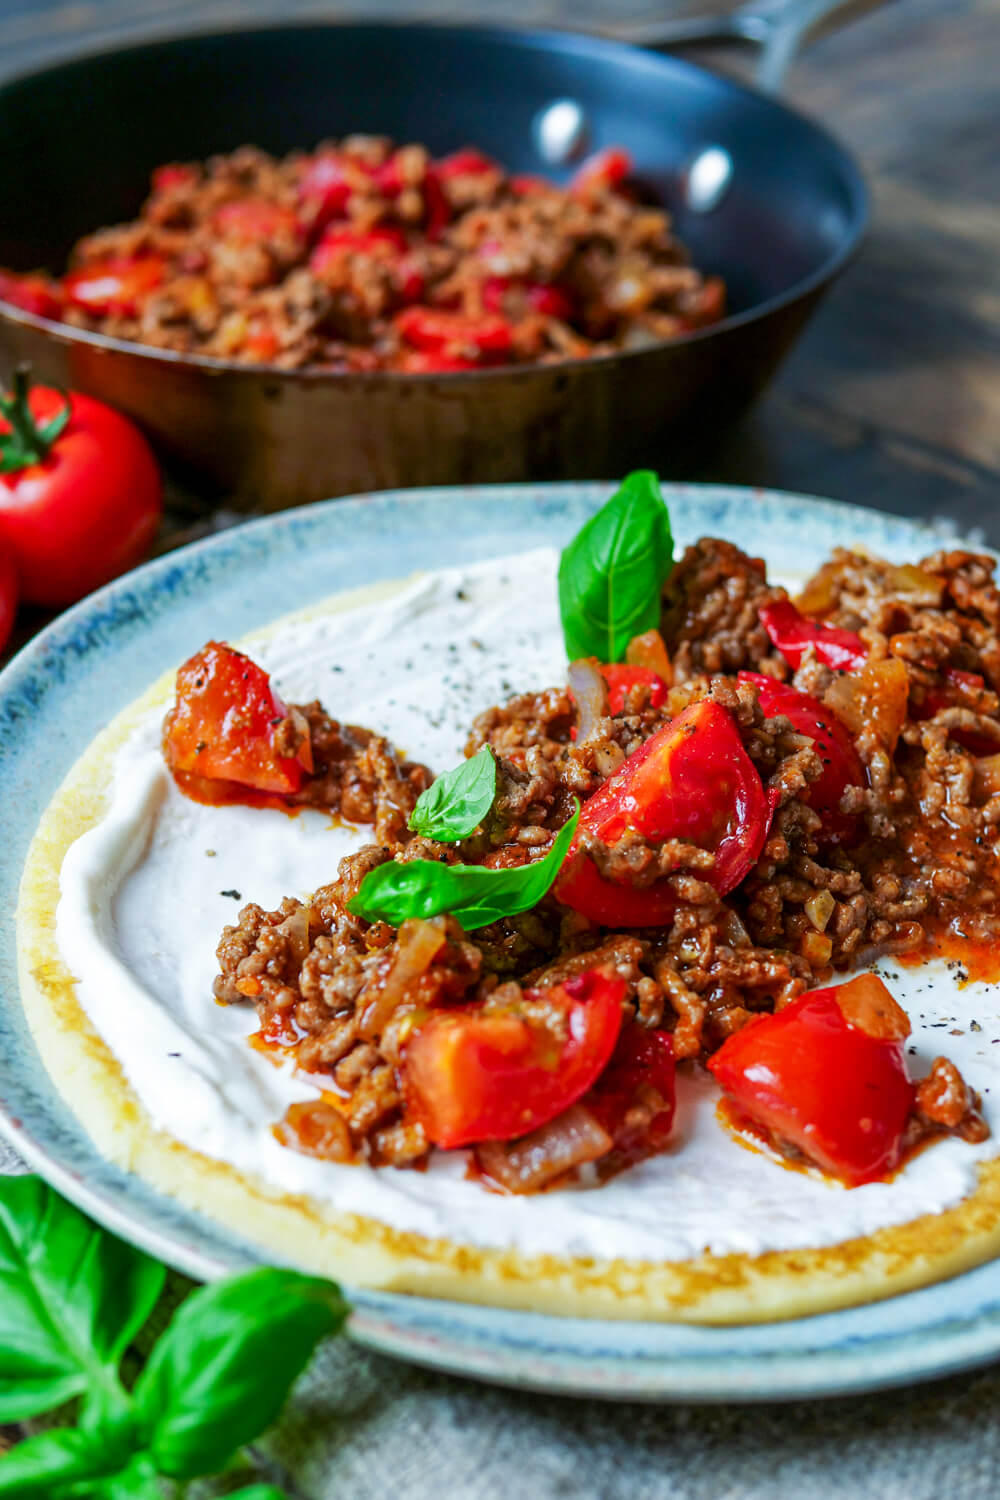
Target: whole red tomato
(80,493)
(8,597)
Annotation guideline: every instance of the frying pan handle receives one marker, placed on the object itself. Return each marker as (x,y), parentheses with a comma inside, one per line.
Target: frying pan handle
(779,27)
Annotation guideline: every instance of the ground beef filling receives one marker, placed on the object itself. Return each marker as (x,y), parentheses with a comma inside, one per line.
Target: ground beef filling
(924,870)
(254,264)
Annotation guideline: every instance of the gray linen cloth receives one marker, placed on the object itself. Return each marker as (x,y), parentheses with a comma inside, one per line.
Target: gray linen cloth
(363,1427)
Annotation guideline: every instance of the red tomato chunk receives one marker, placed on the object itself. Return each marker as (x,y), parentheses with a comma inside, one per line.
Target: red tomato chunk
(692,780)
(794,633)
(819,1081)
(223,722)
(473,1076)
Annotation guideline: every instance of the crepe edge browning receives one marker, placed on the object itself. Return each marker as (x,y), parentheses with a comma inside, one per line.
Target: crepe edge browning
(364,1253)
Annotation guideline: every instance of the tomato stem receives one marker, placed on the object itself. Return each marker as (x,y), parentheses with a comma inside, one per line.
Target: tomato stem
(28,441)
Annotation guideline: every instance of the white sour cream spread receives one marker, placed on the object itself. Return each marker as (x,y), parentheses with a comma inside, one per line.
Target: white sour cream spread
(146,894)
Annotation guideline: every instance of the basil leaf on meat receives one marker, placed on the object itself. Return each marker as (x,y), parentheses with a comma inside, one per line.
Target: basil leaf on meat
(71,1299)
(456,803)
(611,574)
(473,894)
(221,1372)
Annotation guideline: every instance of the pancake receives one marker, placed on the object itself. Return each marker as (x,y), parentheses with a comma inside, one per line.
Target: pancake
(594,1273)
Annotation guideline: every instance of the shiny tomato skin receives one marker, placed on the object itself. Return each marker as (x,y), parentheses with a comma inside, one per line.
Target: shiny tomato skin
(465,163)
(221,727)
(810,1077)
(115,287)
(621,678)
(542,297)
(88,511)
(324,190)
(251,220)
(472,1077)
(841,766)
(339,242)
(793,633)
(691,780)
(439,331)
(32,294)
(8,597)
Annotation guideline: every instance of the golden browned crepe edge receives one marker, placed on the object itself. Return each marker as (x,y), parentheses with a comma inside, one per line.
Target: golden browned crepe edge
(300,1230)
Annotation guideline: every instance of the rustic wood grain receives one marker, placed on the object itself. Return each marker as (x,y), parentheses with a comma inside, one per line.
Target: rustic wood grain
(892,397)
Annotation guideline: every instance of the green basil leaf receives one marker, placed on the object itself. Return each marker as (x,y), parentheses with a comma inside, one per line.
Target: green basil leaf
(456,803)
(473,894)
(221,1372)
(258,1492)
(611,574)
(71,1299)
(137,1481)
(46,1464)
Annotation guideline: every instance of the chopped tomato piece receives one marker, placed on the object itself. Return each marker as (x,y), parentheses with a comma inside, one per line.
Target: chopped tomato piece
(692,780)
(621,678)
(31,293)
(634,1097)
(550,301)
(525,183)
(250,220)
(605,169)
(474,1076)
(465,163)
(173,174)
(841,766)
(324,190)
(115,286)
(222,725)
(812,1078)
(384,238)
(437,209)
(421,362)
(793,633)
(438,331)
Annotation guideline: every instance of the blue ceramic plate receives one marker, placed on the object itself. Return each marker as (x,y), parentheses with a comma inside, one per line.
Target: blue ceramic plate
(96,658)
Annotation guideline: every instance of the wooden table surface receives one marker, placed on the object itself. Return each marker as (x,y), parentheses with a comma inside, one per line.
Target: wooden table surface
(892,397)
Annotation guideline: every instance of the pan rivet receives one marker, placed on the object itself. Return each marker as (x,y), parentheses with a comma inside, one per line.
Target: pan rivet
(707,179)
(560,131)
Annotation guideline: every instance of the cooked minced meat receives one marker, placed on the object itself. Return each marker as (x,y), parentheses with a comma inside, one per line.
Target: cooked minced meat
(366,256)
(924,714)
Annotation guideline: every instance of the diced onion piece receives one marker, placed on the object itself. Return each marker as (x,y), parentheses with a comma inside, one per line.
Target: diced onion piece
(819,595)
(816,947)
(527,1165)
(986,777)
(591,693)
(819,909)
(873,697)
(649,650)
(316,1129)
(417,944)
(867,1004)
(919,586)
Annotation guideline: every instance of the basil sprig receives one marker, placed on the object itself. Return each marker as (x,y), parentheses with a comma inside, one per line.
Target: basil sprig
(72,1299)
(611,573)
(456,803)
(473,894)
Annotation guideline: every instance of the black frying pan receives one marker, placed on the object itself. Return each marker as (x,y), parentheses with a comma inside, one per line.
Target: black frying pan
(80,138)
